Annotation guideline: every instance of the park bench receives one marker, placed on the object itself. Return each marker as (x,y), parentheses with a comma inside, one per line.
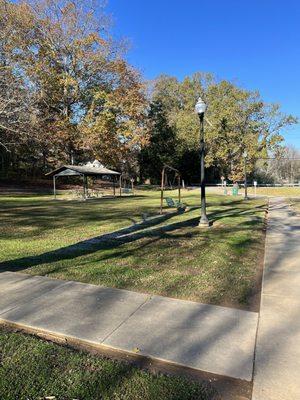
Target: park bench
(126,190)
(175,204)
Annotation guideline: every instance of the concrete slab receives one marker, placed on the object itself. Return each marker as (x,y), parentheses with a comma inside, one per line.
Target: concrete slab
(282,283)
(214,339)
(282,261)
(278,352)
(277,361)
(8,277)
(23,289)
(87,312)
(209,338)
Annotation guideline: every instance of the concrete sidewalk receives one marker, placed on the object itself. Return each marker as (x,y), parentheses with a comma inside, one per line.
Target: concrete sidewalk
(214,339)
(277,363)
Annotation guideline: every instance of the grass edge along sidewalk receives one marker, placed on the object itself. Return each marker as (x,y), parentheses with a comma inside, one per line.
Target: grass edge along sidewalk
(144,379)
(199,336)
(34,368)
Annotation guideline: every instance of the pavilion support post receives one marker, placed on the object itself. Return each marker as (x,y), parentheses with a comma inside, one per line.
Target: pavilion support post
(132,186)
(120,185)
(114,186)
(86,186)
(162,190)
(83,177)
(54,186)
(179,189)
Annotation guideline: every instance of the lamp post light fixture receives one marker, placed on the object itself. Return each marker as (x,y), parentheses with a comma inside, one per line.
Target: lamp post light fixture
(245,155)
(200,109)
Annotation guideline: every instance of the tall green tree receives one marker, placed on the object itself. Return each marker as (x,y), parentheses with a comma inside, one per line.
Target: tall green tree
(88,101)
(237,120)
(161,146)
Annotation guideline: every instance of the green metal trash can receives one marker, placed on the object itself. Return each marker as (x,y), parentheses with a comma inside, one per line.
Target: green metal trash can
(235,191)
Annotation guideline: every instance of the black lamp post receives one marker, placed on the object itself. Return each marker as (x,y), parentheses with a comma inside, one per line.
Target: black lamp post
(200,109)
(245,155)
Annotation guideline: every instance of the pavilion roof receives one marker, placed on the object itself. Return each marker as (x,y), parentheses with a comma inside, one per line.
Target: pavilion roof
(88,170)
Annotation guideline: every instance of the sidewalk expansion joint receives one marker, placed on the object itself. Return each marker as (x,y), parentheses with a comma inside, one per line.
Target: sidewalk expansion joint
(126,319)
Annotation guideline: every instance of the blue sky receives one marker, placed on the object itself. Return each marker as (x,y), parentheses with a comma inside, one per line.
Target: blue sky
(255,43)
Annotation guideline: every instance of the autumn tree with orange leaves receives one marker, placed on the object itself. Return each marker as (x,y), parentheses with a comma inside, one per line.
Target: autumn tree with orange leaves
(73,94)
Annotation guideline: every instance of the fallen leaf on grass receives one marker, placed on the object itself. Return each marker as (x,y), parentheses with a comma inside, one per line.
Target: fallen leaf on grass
(136,350)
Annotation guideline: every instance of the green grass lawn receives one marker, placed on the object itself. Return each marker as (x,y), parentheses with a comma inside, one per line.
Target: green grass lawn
(172,258)
(31,368)
(275,191)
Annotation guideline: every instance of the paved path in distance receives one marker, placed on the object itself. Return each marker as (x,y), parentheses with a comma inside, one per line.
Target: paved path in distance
(277,363)
(209,338)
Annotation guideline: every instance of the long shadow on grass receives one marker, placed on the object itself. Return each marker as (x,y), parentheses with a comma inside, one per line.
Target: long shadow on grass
(109,240)
(134,233)
(176,336)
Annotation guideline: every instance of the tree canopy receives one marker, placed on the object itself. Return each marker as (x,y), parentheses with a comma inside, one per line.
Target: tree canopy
(70,90)
(237,120)
(67,93)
